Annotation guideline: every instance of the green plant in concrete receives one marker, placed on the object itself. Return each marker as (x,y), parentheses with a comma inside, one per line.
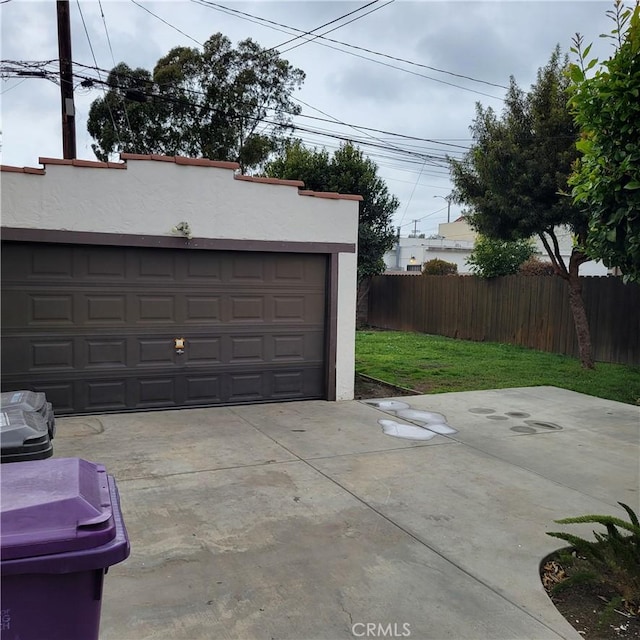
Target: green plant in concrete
(614,556)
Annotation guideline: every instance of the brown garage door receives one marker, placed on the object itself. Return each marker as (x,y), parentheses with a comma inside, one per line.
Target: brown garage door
(95,327)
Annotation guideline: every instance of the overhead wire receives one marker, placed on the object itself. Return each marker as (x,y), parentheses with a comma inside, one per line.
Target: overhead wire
(322,35)
(322,26)
(93,55)
(412,192)
(113,59)
(278,27)
(155,15)
(15,86)
(333,120)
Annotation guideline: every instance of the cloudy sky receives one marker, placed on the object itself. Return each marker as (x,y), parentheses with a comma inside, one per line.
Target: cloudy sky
(405,89)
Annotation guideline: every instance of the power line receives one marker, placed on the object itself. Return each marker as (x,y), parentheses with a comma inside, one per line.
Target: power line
(326,24)
(433,213)
(155,15)
(15,85)
(316,36)
(113,59)
(330,119)
(377,148)
(93,55)
(266,22)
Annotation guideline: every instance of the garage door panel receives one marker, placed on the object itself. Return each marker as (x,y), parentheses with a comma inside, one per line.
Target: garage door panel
(204,267)
(155,352)
(105,264)
(246,349)
(203,308)
(246,387)
(107,353)
(247,268)
(205,350)
(156,309)
(154,265)
(289,348)
(61,395)
(99,333)
(106,395)
(52,354)
(51,310)
(155,392)
(288,308)
(51,264)
(246,309)
(203,389)
(290,269)
(105,310)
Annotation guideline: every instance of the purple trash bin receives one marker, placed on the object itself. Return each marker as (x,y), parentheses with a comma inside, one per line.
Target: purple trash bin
(61,528)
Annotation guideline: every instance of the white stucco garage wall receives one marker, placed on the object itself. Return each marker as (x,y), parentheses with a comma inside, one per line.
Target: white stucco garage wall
(148,196)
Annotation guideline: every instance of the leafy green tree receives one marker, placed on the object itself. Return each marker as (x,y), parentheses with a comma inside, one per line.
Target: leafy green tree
(209,103)
(606,181)
(491,258)
(515,174)
(438,267)
(346,171)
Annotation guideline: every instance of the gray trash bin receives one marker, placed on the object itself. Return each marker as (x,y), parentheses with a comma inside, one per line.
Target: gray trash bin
(30,401)
(24,436)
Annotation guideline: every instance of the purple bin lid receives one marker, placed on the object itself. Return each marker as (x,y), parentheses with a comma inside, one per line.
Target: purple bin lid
(54,506)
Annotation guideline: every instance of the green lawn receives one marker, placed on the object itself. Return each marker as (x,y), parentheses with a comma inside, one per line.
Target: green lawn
(434,364)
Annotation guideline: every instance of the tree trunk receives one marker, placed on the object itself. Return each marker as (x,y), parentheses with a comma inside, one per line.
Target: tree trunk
(580,321)
(362,302)
(576,303)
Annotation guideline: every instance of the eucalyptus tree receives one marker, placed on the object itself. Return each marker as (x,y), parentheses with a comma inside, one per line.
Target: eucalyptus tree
(218,102)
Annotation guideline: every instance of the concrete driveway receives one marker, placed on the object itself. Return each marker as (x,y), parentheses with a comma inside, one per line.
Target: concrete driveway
(304,520)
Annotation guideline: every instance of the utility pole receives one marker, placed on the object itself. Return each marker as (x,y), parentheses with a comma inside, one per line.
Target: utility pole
(448,198)
(415,228)
(66,81)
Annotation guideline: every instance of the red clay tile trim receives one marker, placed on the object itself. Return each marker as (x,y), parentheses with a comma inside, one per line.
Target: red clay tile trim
(34,170)
(205,162)
(142,156)
(330,195)
(289,183)
(93,164)
(196,162)
(134,156)
(9,168)
(54,161)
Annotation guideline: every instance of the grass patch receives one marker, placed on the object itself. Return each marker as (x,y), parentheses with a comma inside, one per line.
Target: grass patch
(435,364)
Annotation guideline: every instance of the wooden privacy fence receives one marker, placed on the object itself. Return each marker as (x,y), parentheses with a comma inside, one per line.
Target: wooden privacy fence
(531,311)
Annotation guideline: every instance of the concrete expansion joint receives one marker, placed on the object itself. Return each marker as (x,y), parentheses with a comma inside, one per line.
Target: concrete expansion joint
(266,463)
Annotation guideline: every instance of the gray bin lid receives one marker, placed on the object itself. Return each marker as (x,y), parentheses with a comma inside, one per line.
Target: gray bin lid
(18,428)
(25,400)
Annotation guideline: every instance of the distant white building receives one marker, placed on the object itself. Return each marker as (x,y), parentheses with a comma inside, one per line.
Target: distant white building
(454,243)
